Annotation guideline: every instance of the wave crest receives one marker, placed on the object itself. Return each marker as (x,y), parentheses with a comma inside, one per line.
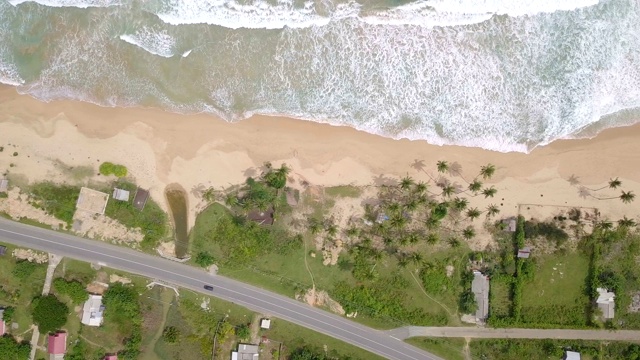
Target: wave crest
(155,42)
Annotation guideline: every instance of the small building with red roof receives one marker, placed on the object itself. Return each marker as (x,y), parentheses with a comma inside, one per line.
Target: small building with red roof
(57,345)
(3,328)
(111,357)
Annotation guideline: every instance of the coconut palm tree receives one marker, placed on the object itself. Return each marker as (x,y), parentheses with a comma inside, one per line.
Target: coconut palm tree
(459,204)
(627,196)
(432,223)
(605,225)
(443,166)
(231,200)
(487,171)
(416,257)
(448,190)
(332,230)
(468,233)
(475,186)
(432,238)
(411,204)
(406,183)
(492,210)
(473,213)
(626,222)
(489,192)
(314,226)
(454,242)
(614,183)
(420,188)
(413,238)
(403,261)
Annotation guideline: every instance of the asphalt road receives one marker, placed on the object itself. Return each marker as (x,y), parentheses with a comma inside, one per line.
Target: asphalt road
(488,333)
(263,301)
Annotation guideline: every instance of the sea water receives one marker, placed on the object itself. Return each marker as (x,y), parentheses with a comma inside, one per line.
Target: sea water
(506,75)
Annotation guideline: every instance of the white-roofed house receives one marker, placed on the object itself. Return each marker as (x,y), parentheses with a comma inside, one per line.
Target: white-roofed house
(606,303)
(92,311)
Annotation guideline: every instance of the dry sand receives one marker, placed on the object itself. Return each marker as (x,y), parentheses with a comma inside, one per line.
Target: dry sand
(199,151)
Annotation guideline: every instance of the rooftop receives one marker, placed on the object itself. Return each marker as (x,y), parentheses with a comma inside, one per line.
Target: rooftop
(119,194)
(4,185)
(140,199)
(525,252)
(92,201)
(111,357)
(261,217)
(92,311)
(265,323)
(606,303)
(3,329)
(246,352)
(480,288)
(571,355)
(57,343)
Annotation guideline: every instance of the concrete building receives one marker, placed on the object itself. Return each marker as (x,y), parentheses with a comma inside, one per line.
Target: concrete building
(606,303)
(119,194)
(571,355)
(246,352)
(265,323)
(57,345)
(92,311)
(480,288)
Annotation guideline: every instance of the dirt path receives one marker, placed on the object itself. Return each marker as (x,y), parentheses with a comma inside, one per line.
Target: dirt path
(489,333)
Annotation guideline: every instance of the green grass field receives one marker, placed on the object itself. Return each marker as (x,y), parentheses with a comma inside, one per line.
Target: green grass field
(500,304)
(446,348)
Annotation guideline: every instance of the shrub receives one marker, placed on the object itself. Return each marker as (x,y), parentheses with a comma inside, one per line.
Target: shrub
(15,153)
(57,200)
(204,259)
(74,289)
(467,303)
(49,313)
(170,334)
(107,168)
(10,349)
(24,269)
(7,316)
(243,331)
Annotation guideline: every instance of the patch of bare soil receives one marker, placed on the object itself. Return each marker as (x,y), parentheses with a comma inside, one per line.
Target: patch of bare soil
(117,278)
(17,206)
(31,255)
(321,298)
(97,288)
(102,227)
(167,249)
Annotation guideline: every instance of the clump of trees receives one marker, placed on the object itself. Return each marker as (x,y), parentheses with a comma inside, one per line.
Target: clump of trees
(123,308)
(108,168)
(10,349)
(74,289)
(204,259)
(260,193)
(24,269)
(49,313)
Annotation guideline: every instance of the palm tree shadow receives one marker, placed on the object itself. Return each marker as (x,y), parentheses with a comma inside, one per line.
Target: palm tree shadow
(573,180)
(383,180)
(418,165)
(250,172)
(583,192)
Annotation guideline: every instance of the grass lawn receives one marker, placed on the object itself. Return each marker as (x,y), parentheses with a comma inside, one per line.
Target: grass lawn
(556,295)
(343,191)
(19,294)
(500,304)
(446,348)
(155,306)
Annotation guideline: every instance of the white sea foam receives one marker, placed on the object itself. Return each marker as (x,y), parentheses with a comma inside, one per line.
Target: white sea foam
(155,42)
(83,4)
(257,14)
(186,53)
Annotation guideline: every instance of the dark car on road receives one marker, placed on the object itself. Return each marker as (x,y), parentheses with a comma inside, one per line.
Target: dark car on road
(208,287)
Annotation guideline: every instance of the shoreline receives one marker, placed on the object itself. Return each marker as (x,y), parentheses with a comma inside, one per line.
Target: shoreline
(198,151)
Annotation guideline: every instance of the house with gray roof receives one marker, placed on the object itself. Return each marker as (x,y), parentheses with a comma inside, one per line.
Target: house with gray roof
(480,288)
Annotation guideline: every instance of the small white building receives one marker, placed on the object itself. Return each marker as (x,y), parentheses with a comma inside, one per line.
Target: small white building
(246,352)
(119,194)
(92,311)
(571,355)
(606,303)
(265,323)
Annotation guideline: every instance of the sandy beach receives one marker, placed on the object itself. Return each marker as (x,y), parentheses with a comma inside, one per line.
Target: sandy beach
(199,151)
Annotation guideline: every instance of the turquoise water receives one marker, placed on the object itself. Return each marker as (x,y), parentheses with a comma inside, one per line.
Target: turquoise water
(505,75)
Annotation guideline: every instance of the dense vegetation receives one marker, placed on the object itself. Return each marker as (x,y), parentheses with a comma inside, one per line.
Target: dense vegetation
(508,349)
(123,308)
(10,349)
(49,313)
(107,168)
(74,289)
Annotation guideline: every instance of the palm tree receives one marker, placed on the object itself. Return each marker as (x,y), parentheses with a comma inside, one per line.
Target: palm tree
(432,238)
(627,196)
(489,192)
(475,186)
(332,230)
(413,238)
(314,226)
(231,200)
(420,187)
(448,190)
(487,171)
(492,210)
(469,233)
(614,183)
(454,242)
(406,183)
(460,204)
(473,213)
(398,221)
(412,204)
(403,261)
(605,225)
(626,222)
(443,166)
(416,257)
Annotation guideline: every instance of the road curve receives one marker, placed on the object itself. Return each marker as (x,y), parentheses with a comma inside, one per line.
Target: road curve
(375,341)
(514,333)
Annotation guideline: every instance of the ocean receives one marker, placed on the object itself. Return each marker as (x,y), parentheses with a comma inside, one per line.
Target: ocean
(505,75)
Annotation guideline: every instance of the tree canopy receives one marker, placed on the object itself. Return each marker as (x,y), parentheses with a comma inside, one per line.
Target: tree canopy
(49,313)
(74,289)
(10,349)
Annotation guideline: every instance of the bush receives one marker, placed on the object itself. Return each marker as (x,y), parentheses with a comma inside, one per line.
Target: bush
(49,313)
(123,308)
(24,269)
(204,259)
(243,331)
(74,289)
(467,303)
(545,229)
(107,168)
(10,349)
(7,315)
(170,334)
